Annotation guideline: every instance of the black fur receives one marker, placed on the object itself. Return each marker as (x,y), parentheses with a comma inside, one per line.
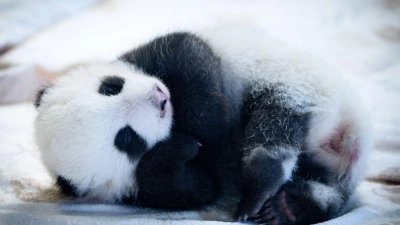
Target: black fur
(67,188)
(269,122)
(111,85)
(129,142)
(310,170)
(171,177)
(191,71)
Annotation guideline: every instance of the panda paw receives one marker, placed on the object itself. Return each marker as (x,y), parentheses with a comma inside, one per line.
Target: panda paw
(275,211)
(291,205)
(169,155)
(255,195)
(250,204)
(179,147)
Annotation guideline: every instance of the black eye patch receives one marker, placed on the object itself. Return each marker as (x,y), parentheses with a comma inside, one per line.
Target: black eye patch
(111,85)
(128,141)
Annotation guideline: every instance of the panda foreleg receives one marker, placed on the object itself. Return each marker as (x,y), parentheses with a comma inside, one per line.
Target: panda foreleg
(169,176)
(273,135)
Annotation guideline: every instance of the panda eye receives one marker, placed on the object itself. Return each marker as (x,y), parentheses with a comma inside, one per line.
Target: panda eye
(111,85)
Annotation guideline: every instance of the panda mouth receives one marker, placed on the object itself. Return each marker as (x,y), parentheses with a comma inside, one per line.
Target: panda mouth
(162,105)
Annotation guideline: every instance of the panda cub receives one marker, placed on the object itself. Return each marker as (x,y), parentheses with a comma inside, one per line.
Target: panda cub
(174,123)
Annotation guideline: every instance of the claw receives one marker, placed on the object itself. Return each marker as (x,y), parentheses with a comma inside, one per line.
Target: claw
(258,220)
(267,204)
(269,215)
(274,222)
(267,197)
(266,211)
(251,207)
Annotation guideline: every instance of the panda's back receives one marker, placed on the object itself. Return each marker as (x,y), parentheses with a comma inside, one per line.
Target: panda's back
(252,61)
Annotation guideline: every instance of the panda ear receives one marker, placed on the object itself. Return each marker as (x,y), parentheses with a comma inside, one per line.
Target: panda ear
(39,95)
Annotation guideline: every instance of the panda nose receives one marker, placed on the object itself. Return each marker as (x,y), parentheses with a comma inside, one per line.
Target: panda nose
(162,99)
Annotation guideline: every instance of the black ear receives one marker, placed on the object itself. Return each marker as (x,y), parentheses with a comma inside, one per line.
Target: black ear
(67,187)
(39,95)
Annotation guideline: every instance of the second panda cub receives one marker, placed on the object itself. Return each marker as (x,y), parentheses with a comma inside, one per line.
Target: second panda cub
(172,123)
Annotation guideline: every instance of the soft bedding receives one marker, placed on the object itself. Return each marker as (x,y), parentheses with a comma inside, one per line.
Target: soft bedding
(360,38)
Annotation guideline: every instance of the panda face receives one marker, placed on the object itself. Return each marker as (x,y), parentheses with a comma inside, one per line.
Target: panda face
(95,123)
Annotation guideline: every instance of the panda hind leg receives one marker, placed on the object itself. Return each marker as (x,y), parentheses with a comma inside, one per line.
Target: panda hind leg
(273,135)
(301,201)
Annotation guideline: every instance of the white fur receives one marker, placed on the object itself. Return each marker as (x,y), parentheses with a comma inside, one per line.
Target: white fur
(288,166)
(248,55)
(76,127)
(324,195)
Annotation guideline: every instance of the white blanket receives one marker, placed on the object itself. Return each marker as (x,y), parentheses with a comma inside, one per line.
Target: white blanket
(360,38)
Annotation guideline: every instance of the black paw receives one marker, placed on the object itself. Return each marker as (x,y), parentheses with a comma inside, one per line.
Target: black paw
(293,204)
(250,205)
(179,146)
(169,155)
(170,176)
(275,211)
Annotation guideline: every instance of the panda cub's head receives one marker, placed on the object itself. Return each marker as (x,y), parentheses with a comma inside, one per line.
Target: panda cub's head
(95,123)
